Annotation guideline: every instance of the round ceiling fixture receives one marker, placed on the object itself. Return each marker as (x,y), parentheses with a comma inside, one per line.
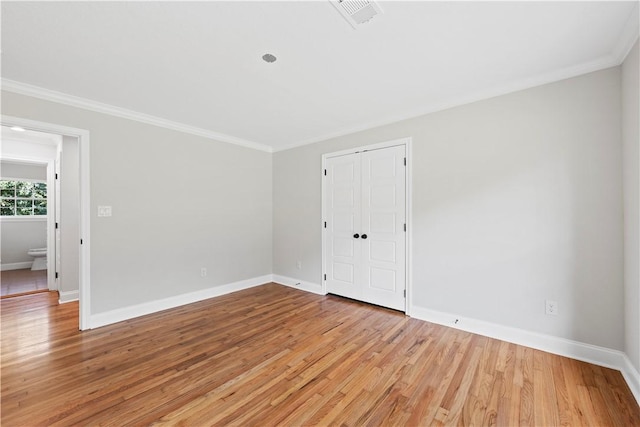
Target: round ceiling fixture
(267,57)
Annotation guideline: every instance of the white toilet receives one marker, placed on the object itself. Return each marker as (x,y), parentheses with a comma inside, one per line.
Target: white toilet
(40,258)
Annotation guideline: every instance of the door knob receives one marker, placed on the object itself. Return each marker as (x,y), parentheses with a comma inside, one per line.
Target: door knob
(364,236)
(355,236)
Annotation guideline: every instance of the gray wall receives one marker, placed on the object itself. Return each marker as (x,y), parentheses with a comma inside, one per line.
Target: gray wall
(20,235)
(69,215)
(180,202)
(631,166)
(516,199)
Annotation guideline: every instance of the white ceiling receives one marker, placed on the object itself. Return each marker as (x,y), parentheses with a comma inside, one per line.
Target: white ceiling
(8,134)
(198,67)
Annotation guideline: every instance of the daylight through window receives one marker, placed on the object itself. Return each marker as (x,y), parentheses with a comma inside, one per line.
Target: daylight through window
(23,198)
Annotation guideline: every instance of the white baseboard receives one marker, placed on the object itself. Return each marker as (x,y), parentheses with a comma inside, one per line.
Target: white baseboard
(597,355)
(298,284)
(16,266)
(125,313)
(632,377)
(67,296)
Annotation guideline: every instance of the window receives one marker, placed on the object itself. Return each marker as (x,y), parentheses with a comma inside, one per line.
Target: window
(23,198)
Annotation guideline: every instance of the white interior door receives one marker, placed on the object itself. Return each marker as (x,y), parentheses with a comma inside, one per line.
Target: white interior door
(57,217)
(365,231)
(383,219)
(343,252)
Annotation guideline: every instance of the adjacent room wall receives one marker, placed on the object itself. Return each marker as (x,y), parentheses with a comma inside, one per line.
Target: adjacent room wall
(631,185)
(516,199)
(23,171)
(24,149)
(69,274)
(180,203)
(20,235)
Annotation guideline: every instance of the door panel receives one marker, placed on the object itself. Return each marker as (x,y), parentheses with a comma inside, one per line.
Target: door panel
(382,196)
(383,251)
(343,247)
(343,219)
(382,222)
(343,272)
(365,195)
(383,279)
(383,216)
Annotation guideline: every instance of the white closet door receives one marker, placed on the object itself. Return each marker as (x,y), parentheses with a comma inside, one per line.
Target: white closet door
(365,236)
(343,251)
(383,219)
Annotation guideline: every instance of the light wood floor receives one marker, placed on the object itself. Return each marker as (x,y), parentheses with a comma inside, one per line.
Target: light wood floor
(273,355)
(23,281)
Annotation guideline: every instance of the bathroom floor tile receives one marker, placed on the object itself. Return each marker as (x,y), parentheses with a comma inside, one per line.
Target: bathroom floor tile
(14,282)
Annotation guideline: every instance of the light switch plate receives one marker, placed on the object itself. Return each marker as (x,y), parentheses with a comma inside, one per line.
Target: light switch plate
(104,210)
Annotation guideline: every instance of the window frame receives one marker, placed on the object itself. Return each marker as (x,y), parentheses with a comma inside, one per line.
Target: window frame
(31,217)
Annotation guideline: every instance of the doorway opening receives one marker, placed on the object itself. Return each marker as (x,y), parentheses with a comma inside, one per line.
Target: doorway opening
(66,252)
(27,219)
(23,222)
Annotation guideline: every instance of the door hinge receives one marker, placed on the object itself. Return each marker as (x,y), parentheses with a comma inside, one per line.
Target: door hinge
(325,277)
(80,241)
(405,293)
(405,161)
(405,227)
(325,224)
(56,225)
(56,176)
(56,274)
(325,172)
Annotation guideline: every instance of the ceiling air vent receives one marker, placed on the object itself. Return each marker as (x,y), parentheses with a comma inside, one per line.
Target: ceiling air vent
(357,12)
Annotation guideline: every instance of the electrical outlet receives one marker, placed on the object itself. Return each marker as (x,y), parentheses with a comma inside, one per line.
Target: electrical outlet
(299,265)
(551,307)
(203,272)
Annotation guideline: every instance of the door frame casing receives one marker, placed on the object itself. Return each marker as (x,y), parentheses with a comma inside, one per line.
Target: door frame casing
(82,135)
(407,142)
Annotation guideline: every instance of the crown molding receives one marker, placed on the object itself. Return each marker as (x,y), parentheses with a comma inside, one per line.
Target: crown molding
(99,107)
(627,39)
(628,36)
(504,89)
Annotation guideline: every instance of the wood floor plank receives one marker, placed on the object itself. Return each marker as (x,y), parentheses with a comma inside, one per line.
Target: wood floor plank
(276,356)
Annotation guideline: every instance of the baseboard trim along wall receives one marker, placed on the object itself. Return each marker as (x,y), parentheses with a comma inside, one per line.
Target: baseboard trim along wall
(16,266)
(632,377)
(126,313)
(597,355)
(68,296)
(298,284)
(601,356)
